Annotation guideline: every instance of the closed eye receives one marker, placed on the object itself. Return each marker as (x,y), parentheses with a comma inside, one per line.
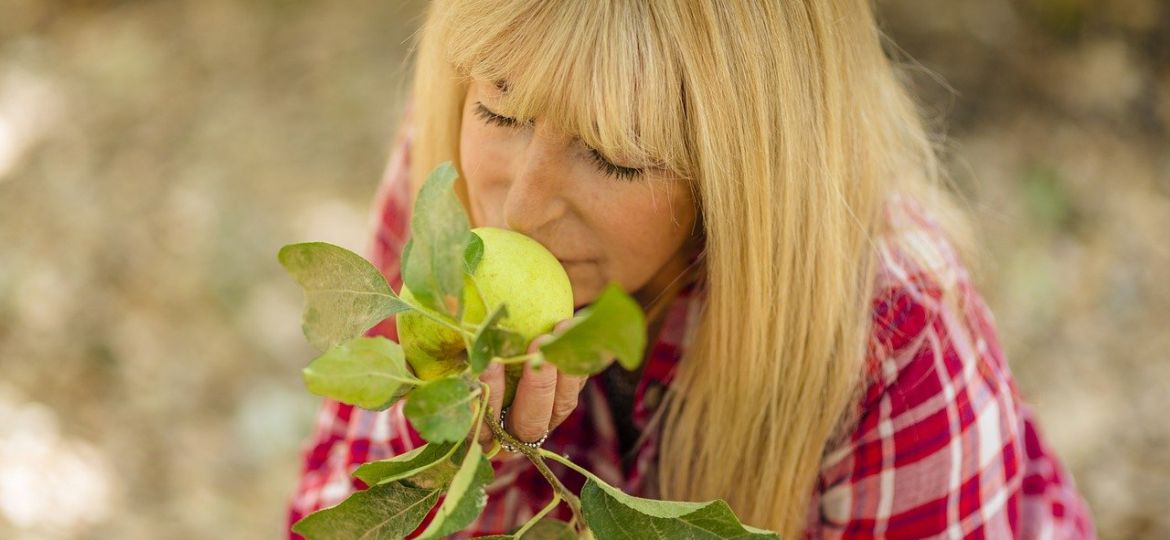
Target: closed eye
(606,166)
(493,118)
(616,171)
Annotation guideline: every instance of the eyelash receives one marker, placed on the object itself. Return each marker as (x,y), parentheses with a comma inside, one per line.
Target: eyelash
(493,118)
(616,171)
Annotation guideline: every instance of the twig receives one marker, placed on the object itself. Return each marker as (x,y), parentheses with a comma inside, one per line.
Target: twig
(533,455)
(566,462)
(556,499)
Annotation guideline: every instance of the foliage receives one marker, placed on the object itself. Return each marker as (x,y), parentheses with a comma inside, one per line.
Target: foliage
(346,295)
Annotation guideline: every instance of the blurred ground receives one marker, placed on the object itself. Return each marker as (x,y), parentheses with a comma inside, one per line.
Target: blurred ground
(155,155)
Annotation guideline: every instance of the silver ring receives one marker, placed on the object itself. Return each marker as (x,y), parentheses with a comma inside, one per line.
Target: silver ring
(534,445)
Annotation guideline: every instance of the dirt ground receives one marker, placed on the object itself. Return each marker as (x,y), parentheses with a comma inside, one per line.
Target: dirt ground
(154,155)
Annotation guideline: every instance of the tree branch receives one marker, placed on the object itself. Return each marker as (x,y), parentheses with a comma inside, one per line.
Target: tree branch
(534,456)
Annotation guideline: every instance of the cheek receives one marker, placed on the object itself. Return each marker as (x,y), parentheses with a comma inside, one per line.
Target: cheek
(639,245)
(644,235)
(472,149)
(480,163)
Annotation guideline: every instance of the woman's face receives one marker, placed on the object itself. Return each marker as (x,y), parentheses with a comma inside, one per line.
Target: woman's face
(602,222)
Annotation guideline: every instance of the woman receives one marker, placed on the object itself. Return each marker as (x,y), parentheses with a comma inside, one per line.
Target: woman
(757,177)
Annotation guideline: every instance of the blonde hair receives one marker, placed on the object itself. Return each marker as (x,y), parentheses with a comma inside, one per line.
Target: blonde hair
(792,127)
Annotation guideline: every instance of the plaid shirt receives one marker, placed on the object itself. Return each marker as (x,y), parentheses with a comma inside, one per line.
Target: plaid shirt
(943,446)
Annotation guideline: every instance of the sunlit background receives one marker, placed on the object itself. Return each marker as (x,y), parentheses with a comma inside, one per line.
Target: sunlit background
(154,155)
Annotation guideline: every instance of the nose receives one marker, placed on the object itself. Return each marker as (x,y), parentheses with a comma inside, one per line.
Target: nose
(536,194)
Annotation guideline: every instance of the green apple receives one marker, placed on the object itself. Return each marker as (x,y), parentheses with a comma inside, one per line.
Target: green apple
(433,350)
(514,270)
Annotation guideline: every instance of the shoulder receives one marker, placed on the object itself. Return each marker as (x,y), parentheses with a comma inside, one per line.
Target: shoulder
(939,409)
(942,442)
(935,363)
(927,316)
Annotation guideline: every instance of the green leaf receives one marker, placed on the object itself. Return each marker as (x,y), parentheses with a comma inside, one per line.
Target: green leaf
(402,260)
(409,464)
(386,511)
(473,253)
(369,372)
(545,529)
(613,514)
(345,295)
(491,340)
(441,409)
(613,325)
(550,529)
(437,477)
(465,498)
(439,236)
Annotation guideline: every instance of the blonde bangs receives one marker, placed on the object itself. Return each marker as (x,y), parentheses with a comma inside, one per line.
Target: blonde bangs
(600,71)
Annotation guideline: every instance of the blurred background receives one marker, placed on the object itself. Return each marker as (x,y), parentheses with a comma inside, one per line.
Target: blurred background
(154,155)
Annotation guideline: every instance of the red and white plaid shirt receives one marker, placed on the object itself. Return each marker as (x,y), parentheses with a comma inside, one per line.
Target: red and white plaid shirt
(944,447)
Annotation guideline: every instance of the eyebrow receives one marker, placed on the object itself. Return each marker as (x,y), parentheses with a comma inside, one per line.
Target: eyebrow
(502,86)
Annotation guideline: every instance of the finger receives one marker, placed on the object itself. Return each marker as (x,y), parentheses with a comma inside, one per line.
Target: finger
(493,376)
(531,410)
(565,402)
(536,342)
(558,328)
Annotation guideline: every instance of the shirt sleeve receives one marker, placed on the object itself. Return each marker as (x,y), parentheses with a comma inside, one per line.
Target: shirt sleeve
(943,446)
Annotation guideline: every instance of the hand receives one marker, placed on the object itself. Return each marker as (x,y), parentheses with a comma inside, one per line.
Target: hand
(544,398)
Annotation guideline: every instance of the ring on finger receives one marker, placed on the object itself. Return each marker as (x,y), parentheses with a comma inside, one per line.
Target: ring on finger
(534,445)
